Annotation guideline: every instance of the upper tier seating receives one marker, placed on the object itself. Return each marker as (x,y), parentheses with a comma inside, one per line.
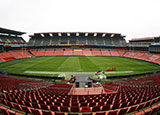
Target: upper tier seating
(48,39)
(4,39)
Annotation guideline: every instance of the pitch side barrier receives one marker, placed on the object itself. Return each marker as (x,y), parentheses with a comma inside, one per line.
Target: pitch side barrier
(148,74)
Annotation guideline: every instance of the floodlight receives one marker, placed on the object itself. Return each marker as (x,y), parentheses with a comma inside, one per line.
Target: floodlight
(68,34)
(95,34)
(112,35)
(77,34)
(42,35)
(103,35)
(86,34)
(50,34)
(59,34)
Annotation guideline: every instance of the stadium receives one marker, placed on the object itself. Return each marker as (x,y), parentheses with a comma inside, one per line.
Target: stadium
(78,73)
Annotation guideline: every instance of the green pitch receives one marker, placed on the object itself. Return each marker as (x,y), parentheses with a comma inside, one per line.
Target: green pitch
(52,66)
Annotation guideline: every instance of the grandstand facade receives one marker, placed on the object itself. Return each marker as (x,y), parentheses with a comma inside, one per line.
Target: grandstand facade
(77,38)
(144,42)
(11,37)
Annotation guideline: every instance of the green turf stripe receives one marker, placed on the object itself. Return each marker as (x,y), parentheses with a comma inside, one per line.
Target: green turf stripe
(71,64)
(87,64)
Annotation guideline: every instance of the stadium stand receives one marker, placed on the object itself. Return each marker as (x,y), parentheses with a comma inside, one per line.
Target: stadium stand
(49,52)
(78,52)
(19,96)
(144,42)
(49,39)
(130,96)
(8,37)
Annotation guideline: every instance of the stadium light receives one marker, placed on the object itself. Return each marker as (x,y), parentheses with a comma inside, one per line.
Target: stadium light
(77,34)
(103,35)
(68,34)
(59,34)
(95,34)
(42,35)
(50,34)
(86,34)
(112,35)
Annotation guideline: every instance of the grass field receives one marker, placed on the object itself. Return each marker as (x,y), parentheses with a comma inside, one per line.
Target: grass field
(69,65)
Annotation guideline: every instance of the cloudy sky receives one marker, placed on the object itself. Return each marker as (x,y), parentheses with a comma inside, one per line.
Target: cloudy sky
(133,18)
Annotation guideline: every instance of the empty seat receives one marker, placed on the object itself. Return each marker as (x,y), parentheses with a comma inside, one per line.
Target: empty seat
(122,111)
(26,109)
(54,108)
(36,111)
(131,109)
(86,113)
(111,112)
(85,109)
(48,113)
(96,108)
(105,107)
(59,113)
(101,113)
(72,113)
(64,108)
(45,107)
(75,109)
(17,106)
(83,104)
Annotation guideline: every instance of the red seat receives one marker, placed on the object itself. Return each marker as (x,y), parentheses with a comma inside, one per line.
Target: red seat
(112,112)
(147,111)
(72,113)
(83,104)
(105,107)
(58,113)
(140,106)
(66,104)
(96,108)
(54,108)
(91,104)
(17,106)
(146,104)
(131,109)
(155,109)
(47,113)
(122,111)
(86,113)
(36,111)
(4,110)
(45,107)
(64,108)
(26,109)
(85,109)
(124,104)
(115,106)
(36,105)
(75,109)
(74,104)
(10,104)
(101,113)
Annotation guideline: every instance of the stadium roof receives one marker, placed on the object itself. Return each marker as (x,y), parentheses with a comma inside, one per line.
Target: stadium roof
(145,38)
(8,31)
(103,34)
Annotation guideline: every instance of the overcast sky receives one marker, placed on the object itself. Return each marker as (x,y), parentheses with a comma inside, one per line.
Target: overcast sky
(133,18)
